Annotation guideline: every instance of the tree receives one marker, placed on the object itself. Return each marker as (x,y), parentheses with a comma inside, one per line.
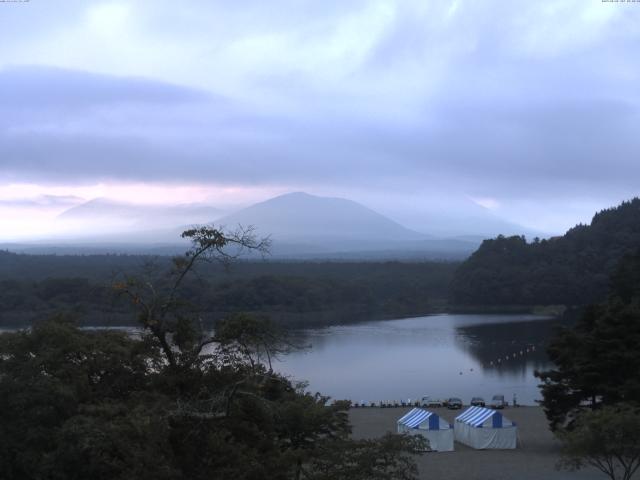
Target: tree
(597,361)
(78,404)
(164,314)
(255,339)
(572,269)
(69,405)
(607,439)
(381,459)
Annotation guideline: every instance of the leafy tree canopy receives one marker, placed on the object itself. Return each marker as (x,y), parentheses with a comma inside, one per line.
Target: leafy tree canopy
(573,269)
(606,439)
(597,361)
(174,402)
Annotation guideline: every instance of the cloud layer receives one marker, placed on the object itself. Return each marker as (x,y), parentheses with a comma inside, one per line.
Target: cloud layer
(532,107)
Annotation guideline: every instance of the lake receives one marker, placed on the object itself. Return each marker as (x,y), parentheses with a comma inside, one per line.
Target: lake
(438,355)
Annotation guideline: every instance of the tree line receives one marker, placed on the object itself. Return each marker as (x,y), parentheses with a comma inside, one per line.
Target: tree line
(294,294)
(573,269)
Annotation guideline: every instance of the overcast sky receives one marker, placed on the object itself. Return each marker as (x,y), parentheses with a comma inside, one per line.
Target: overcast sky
(528,108)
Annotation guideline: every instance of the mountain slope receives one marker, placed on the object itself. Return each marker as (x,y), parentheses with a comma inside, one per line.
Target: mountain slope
(321,223)
(127,216)
(572,269)
(460,216)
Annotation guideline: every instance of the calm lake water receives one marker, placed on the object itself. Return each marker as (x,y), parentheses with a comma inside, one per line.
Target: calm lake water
(437,355)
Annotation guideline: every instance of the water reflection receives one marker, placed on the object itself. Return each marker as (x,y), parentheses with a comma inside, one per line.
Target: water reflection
(512,348)
(440,355)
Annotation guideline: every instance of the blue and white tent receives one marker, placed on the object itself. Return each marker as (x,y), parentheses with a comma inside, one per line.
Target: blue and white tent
(482,428)
(435,429)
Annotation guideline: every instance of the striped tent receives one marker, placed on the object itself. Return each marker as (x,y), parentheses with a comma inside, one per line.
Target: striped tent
(423,422)
(483,428)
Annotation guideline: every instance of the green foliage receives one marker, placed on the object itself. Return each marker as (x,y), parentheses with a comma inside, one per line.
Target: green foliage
(597,361)
(607,439)
(570,270)
(293,294)
(388,457)
(256,339)
(173,403)
(112,440)
(97,404)
(58,383)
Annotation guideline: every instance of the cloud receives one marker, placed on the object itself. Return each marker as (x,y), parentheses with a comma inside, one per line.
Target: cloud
(43,201)
(520,103)
(42,87)
(497,143)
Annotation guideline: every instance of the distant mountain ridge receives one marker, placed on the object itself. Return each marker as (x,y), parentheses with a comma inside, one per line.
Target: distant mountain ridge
(572,269)
(463,218)
(136,216)
(316,223)
(301,225)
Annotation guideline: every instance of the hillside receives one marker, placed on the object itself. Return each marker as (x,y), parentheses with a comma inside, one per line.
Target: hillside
(321,222)
(301,227)
(304,226)
(573,269)
(105,212)
(458,216)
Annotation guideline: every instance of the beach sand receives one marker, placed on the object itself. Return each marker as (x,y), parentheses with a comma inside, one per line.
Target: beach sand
(535,458)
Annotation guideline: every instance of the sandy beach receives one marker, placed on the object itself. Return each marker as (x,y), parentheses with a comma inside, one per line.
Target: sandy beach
(535,458)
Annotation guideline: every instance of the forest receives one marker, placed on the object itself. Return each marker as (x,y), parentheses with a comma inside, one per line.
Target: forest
(573,269)
(293,293)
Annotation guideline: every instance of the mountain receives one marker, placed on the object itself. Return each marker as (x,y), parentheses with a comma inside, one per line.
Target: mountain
(572,269)
(476,222)
(150,221)
(301,226)
(458,216)
(302,222)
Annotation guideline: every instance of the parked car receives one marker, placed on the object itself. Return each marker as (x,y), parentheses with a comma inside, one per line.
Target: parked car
(497,401)
(454,403)
(477,402)
(431,402)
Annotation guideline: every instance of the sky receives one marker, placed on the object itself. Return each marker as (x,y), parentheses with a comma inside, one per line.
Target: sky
(528,109)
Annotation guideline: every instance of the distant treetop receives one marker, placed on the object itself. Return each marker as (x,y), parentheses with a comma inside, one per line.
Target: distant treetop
(572,269)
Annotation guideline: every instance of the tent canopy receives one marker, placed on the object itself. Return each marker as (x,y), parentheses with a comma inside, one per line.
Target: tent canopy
(419,418)
(478,417)
(429,425)
(484,428)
